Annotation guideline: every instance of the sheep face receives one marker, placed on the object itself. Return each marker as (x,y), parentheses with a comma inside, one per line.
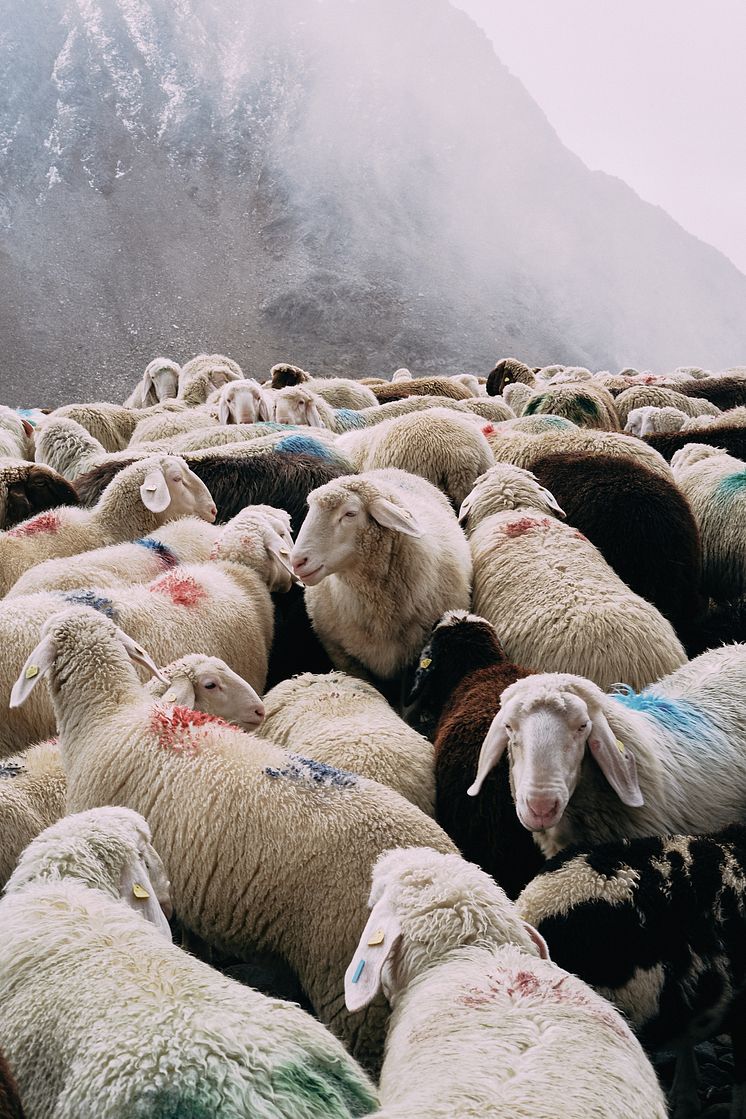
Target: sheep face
(172,490)
(243,402)
(160,381)
(297,406)
(208,684)
(546,734)
(333,537)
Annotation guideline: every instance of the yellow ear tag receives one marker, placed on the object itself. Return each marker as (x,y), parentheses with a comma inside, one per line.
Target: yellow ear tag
(139,891)
(31,671)
(426,662)
(620,746)
(170,698)
(377,938)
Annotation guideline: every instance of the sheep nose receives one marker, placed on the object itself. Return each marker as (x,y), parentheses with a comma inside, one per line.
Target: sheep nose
(213,510)
(299,563)
(543,808)
(259,711)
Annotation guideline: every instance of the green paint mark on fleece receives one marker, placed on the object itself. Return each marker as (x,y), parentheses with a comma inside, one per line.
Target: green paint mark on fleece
(333,1094)
(732,486)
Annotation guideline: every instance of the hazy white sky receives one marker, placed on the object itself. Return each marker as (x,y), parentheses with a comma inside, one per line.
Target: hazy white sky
(653,91)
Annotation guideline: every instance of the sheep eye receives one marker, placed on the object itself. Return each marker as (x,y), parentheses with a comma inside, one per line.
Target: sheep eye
(210,684)
(351,513)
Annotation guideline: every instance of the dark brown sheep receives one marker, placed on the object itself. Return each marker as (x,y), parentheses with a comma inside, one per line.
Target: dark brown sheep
(639,521)
(730,439)
(723,392)
(27,488)
(506,372)
(284,374)
(424,386)
(10,1104)
(463,672)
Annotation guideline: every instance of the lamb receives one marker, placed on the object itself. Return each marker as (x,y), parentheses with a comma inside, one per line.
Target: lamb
(402,374)
(422,386)
(372,540)
(279,478)
(507,372)
(16,435)
(671,759)
(462,672)
(586,404)
(157,429)
(142,498)
(191,1042)
(639,521)
(346,723)
(27,488)
(447,450)
(221,608)
(159,382)
(641,396)
(556,602)
(714,484)
(643,421)
(67,447)
(188,540)
(523,1039)
(10,1105)
(674,908)
(296,839)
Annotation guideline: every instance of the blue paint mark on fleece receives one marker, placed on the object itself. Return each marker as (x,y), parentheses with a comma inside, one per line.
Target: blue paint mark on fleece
(677,716)
(95,601)
(317,773)
(165,555)
(11,769)
(732,486)
(305,445)
(349,418)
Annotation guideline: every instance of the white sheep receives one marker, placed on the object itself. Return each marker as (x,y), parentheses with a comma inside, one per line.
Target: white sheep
(402,374)
(661,396)
(510,444)
(222,608)
(33,784)
(111,424)
(714,484)
(244,402)
(159,382)
(643,421)
(187,540)
(181,1039)
(516,395)
(298,404)
(347,723)
(286,844)
(483,1023)
(67,447)
(552,597)
(671,759)
(470,381)
(339,392)
(140,498)
(382,557)
(446,448)
(16,435)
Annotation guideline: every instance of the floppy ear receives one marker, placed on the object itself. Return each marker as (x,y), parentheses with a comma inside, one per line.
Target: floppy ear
(37,665)
(136,889)
(148,386)
(180,693)
(492,750)
(466,504)
(266,406)
(137,654)
(422,675)
(392,516)
(616,762)
(379,938)
(28,427)
(551,502)
(312,415)
(155,493)
(538,940)
(279,552)
(224,411)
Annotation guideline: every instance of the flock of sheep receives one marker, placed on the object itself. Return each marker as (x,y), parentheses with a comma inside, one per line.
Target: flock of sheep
(277,659)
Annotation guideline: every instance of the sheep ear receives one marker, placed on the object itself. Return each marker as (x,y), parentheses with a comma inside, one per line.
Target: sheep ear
(422,674)
(551,502)
(37,665)
(266,409)
(313,417)
(180,692)
(147,385)
(28,427)
(616,762)
(279,552)
(379,938)
(463,513)
(538,940)
(155,493)
(136,889)
(393,516)
(492,750)
(224,411)
(137,654)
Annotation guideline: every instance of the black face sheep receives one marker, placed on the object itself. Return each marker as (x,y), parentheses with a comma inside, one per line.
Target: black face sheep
(586,767)
(10,1104)
(507,372)
(26,488)
(462,673)
(658,926)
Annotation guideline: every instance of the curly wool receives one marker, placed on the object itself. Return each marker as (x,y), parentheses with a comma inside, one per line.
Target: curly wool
(586,404)
(641,396)
(422,386)
(521,448)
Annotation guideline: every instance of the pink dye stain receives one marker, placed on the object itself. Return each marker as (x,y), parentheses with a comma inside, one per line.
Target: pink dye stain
(520,525)
(44,522)
(489,429)
(182,590)
(175,726)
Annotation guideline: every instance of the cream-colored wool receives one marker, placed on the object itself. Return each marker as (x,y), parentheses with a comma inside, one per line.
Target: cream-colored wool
(182,1040)
(285,846)
(298,404)
(552,597)
(347,723)
(155,429)
(597,768)
(516,395)
(66,446)
(510,444)
(342,392)
(655,396)
(714,484)
(221,608)
(109,424)
(481,1027)
(469,381)
(159,382)
(394,560)
(446,449)
(140,499)
(586,403)
(644,421)
(16,437)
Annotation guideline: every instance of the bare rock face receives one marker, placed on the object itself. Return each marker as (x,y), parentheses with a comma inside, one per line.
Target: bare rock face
(353,185)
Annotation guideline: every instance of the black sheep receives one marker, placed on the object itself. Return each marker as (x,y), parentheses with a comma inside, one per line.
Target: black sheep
(730,438)
(28,488)
(10,1104)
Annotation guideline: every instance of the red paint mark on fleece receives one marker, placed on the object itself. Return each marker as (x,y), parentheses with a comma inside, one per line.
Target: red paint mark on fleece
(175,727)
(182,590)
(489,429)
(43,522)
(525,524)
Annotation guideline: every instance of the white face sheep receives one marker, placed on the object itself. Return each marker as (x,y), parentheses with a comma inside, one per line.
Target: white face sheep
(244,402)
(297,404)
